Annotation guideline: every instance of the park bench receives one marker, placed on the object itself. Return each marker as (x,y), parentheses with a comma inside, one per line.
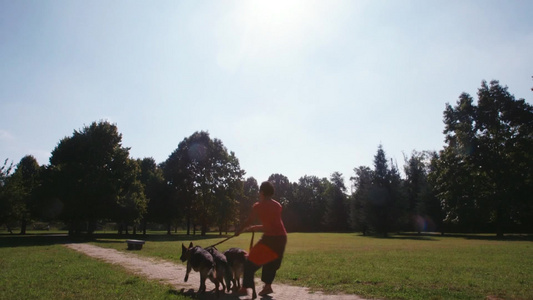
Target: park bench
(135,244)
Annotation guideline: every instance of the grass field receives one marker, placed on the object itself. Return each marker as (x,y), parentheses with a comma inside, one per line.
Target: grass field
(36,267)
(399,267)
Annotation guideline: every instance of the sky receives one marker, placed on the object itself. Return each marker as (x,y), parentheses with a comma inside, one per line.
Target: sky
(292,87)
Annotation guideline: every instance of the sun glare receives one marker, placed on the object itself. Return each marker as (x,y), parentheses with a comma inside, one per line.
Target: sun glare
(261,32)
(279,20)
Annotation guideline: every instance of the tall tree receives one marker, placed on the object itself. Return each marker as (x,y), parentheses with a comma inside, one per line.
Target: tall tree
(226,204)
(203,174)
(162,207)
(380,199)
(360,206)
(94,179)
(26,176)
(336,214)
(249,196)
(415,182)
(489,149)
(131,201)
(283,188)
(422,206)
(308,204)
(8,209)
(505,138)
(378,206)
(452,177)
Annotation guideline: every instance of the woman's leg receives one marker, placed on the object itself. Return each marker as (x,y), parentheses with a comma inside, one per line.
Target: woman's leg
(269,271)
(249,271)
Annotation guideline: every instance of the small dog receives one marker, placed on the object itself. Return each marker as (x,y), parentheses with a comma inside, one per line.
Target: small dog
(200,261)
(222,267)
(236,258)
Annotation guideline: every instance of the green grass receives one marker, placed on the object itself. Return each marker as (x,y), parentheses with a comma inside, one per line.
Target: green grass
(399,267)
(36,267)
(411,268)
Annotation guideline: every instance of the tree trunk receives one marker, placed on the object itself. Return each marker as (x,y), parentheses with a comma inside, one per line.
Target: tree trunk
(499,221)
(91,227)
(145,223)
(23,226)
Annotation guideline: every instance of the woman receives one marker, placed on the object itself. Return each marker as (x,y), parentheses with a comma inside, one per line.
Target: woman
(268,252)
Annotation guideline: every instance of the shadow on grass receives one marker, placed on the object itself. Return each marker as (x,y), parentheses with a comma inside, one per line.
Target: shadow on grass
(493,237)
(27,240)
(404,237)
(209,295)
(438,236)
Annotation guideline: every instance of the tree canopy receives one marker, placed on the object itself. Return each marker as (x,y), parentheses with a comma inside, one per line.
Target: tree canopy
(95,179)
(206,178)
(481,181)
(486,168)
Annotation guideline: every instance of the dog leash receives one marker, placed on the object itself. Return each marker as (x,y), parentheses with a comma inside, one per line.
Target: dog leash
(222,241)
(230,237)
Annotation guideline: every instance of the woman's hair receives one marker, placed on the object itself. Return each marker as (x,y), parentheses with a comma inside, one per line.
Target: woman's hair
(267,188)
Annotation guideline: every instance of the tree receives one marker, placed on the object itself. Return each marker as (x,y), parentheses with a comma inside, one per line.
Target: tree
(399,207)
(282,187)
(131,204)
(8,211)
(504,128)
(452,177)
(162,207)
(94,179)
(486,167)
(308,204)
(360,200)
(378,203)
(226,204)
(249,196)
(26,177)
(205,176)
(336,213)
(422,206)
(380,206)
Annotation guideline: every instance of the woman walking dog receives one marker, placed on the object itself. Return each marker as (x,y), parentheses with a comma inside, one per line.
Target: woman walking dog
(268,252)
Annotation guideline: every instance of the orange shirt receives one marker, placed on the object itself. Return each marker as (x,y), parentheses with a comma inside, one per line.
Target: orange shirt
(269,212)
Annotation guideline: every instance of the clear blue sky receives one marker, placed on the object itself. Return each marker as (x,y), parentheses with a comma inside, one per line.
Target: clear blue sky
(292,87)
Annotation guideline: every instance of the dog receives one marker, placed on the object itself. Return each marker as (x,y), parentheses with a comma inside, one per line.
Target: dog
(222,268)
(199,260)
(236,258)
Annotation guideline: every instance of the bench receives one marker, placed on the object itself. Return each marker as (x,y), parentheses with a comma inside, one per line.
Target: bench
(135,244)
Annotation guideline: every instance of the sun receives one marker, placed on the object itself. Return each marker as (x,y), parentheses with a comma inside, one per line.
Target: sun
(279,20)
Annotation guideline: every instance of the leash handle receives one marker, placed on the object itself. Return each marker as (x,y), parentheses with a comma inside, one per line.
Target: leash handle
(252,241)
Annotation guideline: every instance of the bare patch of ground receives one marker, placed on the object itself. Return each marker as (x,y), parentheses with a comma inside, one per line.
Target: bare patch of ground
(173,274)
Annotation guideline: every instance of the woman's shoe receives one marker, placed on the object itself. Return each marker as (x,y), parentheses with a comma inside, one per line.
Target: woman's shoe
(266,290)
(242,291)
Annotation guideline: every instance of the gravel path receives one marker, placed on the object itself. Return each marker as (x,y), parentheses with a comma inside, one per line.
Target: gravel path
(173,274)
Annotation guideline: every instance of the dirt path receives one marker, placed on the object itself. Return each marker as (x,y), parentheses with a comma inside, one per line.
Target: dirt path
(173,274)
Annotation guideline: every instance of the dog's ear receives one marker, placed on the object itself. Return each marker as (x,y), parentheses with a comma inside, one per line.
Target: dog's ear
(190,245)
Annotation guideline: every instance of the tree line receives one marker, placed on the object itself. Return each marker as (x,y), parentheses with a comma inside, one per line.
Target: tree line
(481,181)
